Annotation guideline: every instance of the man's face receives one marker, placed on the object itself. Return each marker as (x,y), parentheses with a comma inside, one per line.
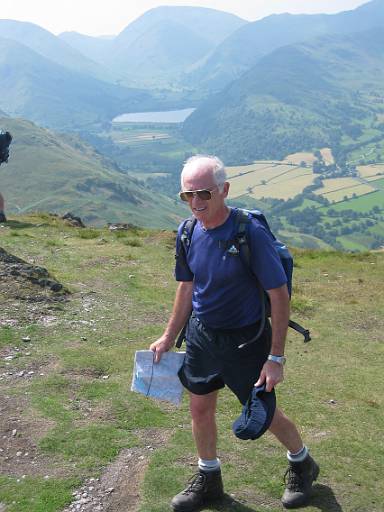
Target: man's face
(200,177)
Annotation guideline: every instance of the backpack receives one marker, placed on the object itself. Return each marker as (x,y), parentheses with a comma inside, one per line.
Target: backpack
(239,245)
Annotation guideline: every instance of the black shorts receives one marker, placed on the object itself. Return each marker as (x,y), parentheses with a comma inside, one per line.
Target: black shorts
(214,360)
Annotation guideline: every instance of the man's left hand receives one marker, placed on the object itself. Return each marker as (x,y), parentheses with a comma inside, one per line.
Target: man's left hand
(271,374)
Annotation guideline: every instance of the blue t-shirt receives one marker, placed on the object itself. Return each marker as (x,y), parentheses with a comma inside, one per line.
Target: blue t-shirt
(225,295)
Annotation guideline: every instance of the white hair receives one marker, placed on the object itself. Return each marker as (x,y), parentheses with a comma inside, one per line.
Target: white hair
(217,166)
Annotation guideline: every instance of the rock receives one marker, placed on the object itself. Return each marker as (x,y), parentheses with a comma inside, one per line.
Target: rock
(73,220)
(119,226)
(26,339)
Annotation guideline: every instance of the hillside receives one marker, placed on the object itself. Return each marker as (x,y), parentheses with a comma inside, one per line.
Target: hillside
(242,49)
(44,92)
(73,433)
(57,173)
(297,98)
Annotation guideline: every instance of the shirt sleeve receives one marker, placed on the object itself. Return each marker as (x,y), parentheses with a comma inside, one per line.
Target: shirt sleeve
(265,260)
(182,270)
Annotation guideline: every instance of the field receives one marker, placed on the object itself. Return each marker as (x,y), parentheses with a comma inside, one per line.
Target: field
(149,147)
(140,138)
(363,203)
(337,189)
(71,429)
(372,171)
(298,158)
(273,179)
(285,179)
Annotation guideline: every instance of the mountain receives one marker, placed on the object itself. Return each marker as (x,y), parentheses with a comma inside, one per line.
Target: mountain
(299,97)
(157,56)
(242,49)
(159,45)
(94,48)
(51,47)
(52,172)
(211,24)
(36,88)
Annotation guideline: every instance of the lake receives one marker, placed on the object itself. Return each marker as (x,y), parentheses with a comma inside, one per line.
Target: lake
(168,116)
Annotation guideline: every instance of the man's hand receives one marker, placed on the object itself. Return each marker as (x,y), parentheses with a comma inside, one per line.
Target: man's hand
(160,346)
(271,374)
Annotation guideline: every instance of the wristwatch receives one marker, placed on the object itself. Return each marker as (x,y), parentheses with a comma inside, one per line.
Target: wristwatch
(277,359)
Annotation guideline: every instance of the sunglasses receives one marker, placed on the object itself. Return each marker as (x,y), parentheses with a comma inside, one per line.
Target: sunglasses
(203,194)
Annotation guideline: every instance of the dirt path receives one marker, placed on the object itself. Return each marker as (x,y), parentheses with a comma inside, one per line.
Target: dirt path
(118,488)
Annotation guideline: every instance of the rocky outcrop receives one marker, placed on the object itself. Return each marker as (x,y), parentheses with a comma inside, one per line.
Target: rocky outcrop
(16,269)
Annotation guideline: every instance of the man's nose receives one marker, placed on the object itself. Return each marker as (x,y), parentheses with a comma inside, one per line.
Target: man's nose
(196,199)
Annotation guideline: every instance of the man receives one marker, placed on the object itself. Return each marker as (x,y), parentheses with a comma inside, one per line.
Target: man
(5,141)
(2,214)
(226,310)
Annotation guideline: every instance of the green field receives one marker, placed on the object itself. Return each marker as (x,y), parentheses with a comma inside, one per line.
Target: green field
(361,204)
(149,147)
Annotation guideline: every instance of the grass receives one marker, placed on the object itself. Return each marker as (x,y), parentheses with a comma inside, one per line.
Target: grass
(36,494)
(121,298)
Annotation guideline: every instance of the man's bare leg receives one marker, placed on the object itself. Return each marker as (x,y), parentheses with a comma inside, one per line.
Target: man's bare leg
(203,411)
(207,484)
(286,432)
(303,470)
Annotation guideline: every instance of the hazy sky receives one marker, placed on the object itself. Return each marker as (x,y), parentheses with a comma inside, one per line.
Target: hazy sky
(96,17)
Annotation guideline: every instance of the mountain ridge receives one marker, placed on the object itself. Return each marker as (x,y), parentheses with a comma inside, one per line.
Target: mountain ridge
(243,48)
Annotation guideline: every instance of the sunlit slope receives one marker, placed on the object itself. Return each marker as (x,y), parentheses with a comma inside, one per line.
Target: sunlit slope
(52,173)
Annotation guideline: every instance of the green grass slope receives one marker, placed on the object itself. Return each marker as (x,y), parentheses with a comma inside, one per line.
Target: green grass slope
(75,416)
(50,172)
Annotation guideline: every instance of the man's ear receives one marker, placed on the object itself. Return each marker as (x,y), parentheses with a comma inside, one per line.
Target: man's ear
(226,189)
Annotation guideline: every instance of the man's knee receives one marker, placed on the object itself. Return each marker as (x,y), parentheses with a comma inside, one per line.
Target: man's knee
(203,407)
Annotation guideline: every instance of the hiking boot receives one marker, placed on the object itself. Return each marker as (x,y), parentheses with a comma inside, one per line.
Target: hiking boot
(298,481)
(202,488)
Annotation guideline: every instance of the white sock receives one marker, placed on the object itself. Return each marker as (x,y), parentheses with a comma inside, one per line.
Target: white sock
(299,456)
(209,464)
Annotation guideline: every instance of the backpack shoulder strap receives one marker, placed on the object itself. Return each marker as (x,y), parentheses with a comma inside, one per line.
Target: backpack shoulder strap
(182,247)
(242,222)
(187,232)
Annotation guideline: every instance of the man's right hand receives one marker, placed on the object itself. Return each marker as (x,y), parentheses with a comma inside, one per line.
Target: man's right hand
(160,346)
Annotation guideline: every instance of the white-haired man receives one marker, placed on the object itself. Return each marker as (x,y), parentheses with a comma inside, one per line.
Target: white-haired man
(226,309)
